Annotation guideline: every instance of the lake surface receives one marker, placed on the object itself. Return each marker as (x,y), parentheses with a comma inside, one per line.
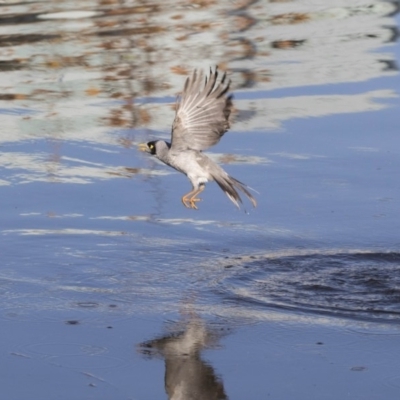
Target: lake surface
(110,288)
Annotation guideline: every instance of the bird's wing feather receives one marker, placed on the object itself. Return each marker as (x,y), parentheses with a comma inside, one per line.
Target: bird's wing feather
(202,115)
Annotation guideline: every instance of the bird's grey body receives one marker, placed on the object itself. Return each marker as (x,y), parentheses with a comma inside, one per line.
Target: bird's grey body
(202,117)
(192,163)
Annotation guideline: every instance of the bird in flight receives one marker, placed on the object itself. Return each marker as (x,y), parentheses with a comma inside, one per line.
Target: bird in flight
(201,119)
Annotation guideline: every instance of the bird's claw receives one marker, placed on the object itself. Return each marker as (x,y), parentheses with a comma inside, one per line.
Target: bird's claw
(190,203)
(193,203)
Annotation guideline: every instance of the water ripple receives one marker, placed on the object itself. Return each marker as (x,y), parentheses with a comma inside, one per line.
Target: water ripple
(358,286)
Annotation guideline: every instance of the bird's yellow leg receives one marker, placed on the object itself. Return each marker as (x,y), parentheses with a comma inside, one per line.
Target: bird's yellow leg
(186,198)
(189,199)
(193,199)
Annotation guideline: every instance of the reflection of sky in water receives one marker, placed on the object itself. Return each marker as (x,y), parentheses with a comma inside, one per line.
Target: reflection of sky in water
(313,85)
(109,83)
(266,47)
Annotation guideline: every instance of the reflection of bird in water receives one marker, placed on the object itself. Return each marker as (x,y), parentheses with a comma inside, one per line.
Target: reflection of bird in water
(202,117)
(187,376)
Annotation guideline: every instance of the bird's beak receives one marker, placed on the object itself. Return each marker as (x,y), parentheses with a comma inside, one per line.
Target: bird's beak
(143,147)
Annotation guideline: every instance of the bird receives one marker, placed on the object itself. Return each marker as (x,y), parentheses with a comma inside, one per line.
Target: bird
(202,117)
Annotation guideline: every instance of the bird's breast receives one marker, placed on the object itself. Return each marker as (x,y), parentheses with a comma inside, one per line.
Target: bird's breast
(187,162)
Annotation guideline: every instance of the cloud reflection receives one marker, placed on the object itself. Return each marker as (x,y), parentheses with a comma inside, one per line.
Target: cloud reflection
(104,73)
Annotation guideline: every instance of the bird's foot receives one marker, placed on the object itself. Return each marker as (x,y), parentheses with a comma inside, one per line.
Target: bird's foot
(190,203)
(193,201)
(185,202)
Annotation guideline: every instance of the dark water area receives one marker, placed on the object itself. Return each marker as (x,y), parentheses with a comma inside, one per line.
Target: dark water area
(356,285)
(110,288)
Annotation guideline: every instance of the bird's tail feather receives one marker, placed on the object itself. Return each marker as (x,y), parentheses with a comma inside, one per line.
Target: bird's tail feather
(230,187)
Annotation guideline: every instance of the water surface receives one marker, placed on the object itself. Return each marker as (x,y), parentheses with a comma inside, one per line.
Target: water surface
(112,289)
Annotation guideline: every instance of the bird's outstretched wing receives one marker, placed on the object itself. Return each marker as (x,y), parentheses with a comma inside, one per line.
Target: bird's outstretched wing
(202,115)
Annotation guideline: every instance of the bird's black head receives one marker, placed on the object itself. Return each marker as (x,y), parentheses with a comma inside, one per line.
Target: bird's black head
(152,147)
(155,148)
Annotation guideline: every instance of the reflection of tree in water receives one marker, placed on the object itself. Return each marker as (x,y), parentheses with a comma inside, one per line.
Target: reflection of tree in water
(103,71)
(187,375)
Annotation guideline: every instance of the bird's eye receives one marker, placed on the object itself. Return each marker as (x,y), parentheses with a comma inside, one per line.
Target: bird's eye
(151,146)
